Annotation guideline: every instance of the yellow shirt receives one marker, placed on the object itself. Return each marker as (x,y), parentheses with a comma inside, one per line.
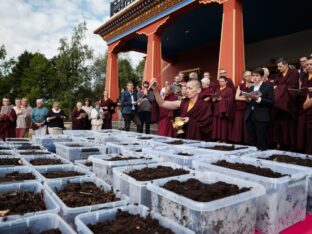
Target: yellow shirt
(190,106)
(310,77)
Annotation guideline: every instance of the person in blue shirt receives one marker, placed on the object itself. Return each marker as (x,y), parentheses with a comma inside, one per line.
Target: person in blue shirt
(38,119)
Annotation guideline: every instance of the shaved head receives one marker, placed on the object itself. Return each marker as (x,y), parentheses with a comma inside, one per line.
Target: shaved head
(196,83)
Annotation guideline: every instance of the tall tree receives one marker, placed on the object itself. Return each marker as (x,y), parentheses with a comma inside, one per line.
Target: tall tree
(72,70)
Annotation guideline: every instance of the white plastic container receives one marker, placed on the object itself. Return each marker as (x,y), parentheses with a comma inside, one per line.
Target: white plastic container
(172,155)
(35,153)
(7,152)
(23,163)
(168,140)
(35,187)
(82,164)
(79,152)
(286,197)
(103,168)
(233,214)
(83,220)
(20,169)
(69,213)
(46,169)
(36,224)
(239,149)
(48,156)
(136,190)
(19,140)
(307,170)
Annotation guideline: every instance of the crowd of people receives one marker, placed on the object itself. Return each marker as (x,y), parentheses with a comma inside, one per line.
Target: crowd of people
(264,111)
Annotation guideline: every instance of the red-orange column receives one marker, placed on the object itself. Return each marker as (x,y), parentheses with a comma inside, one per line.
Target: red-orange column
(153,55)
(232,47)
(153,59)
(111,80)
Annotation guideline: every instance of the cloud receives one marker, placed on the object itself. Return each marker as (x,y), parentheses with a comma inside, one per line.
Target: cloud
(37,26)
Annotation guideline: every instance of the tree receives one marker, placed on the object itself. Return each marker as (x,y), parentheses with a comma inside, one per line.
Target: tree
(126,73)
(72,70)
(139,70)
(98,73)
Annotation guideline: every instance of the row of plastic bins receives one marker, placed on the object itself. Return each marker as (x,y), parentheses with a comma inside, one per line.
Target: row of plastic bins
(103,167)
(284,203)
(263,155)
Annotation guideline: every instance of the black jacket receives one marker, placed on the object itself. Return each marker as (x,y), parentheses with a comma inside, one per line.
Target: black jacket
(261,110)
(126,102)
(58,122)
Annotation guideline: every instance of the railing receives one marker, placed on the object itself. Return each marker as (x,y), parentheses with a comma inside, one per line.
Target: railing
(118,5)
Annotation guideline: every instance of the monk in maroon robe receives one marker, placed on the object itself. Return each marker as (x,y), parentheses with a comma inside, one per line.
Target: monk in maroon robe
(230,83)
(79,118)
(194,112)
(108,107)
(7,120)
(304,142)
(285,106)
(207,90)
(166,117)
(223,115)
(239,131)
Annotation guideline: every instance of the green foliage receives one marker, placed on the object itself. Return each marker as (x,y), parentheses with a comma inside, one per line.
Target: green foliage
(72,75)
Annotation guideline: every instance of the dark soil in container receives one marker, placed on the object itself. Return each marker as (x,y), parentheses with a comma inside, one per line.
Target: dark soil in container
(267,172)
(223,147)
(22,140)
(90,150)
(13,203)
(138,151)
(74,145)
(11,161)
(88,164)
(131,144)
(145,138)
(290,160)
(198,191)
(34,153)
(153,173)
(90,138)
(28,147)
(61,174)
(125,223)
(185,154)
(5,153)
(51,231)
(4,148)
(16,176)
(177,142)
(86,194)
(45,161)
(119,158)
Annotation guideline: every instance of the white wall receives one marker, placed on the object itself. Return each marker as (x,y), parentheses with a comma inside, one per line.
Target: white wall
(291,46)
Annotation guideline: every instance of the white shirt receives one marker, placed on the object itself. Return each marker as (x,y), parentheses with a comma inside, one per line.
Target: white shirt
(132,100)
(256,88)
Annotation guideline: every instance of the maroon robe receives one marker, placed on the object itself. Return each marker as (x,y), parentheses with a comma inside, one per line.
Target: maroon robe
(200,119)
(7,124)
(223,115)
(229,84)
(303,121)
(239,131)
(285,110)
(206,92)
(108,112)
(166,117)
(79,124)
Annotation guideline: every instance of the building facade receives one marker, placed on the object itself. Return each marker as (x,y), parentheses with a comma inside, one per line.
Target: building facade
(205,35)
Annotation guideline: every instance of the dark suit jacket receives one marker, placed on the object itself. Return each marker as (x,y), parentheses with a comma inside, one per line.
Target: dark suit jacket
(261,110)
(126,102)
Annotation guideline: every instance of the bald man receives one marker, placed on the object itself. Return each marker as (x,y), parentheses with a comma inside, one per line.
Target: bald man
(7,120)
(196,113)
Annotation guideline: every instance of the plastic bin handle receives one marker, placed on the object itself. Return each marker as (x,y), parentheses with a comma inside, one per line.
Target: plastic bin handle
(296,180)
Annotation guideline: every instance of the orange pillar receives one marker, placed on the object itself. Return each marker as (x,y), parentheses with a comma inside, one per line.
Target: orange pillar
(111,81)
(153,55)
(232,48)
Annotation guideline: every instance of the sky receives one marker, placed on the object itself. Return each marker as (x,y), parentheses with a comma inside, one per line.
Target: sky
(38,25)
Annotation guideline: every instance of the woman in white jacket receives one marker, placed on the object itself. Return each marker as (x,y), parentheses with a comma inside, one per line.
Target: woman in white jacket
(97,116)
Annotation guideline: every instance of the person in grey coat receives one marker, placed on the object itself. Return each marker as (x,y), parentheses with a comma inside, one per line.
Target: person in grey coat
(145,99)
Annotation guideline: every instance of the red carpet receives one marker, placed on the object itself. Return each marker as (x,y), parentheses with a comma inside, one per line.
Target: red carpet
(304,227)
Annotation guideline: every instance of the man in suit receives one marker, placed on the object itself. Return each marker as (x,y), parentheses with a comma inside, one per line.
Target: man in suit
(129,108)
(259,104)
